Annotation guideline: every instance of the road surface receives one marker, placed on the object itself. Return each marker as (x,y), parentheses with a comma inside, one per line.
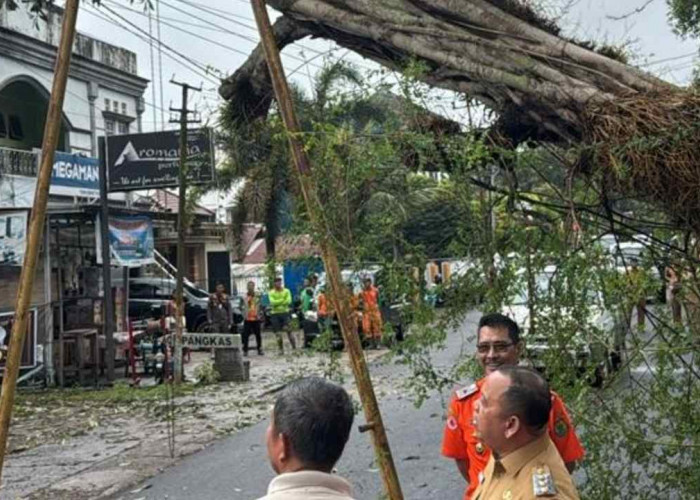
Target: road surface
(237,467)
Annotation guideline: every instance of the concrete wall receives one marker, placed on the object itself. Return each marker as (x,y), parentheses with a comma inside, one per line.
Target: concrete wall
(49,31)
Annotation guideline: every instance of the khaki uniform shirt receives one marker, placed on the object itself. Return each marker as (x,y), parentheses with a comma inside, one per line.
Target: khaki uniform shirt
(308,485)
(534,471)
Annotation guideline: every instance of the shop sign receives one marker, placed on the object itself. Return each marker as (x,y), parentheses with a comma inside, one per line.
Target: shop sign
(209,340)
(130,241)
(29,349)
(13,238)
(147,161)
(75,175)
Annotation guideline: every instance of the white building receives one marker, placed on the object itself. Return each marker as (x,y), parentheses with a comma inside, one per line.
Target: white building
(104,93)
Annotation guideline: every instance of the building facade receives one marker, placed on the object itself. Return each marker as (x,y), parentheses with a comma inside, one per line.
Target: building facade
(104,94)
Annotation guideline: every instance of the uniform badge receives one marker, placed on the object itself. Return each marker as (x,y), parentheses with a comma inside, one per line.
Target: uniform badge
(543,482)
(465,392)
(507,495)
(479,448)
(561,428)
(452,423)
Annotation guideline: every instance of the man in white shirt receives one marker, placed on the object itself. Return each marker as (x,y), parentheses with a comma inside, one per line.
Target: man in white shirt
(310,425)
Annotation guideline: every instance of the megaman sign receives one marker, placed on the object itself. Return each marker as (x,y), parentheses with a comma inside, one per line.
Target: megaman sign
(75,175)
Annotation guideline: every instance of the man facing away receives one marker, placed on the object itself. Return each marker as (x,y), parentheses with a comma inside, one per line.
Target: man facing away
(511,419)
(280,303)
(310,426)
(498,345)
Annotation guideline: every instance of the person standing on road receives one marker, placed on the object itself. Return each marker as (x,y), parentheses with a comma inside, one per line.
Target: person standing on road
(219,310)
(673,288)
(325,310)
(498,345)
(371,316)
(310,425)
(511,419)
(280,303)
(251,325)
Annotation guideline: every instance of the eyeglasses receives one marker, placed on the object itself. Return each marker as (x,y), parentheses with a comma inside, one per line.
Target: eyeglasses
(498,347)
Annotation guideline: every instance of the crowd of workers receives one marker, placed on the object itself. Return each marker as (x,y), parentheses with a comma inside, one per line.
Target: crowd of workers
(509,434)
(278,303)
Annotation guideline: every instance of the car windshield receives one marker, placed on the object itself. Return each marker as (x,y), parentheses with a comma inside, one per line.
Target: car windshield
(542,282)
(197,292)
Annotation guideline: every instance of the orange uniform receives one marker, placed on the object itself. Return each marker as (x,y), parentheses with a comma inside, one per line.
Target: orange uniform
(371,317)
(460,441)
(322,305)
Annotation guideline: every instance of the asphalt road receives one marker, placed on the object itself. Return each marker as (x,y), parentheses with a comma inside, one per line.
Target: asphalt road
(237,467)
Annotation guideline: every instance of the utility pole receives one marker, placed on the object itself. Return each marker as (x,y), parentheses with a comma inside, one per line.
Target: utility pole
(52,131)
(330,259)
(181,222)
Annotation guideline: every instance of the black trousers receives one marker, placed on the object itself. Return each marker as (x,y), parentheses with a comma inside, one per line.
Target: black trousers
(251,327)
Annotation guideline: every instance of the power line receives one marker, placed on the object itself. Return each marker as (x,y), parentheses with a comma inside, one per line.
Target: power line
(244,37)
(203,70)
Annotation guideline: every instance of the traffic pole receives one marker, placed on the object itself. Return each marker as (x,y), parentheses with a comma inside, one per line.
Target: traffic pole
(181,226)
(330,259)
(52,130)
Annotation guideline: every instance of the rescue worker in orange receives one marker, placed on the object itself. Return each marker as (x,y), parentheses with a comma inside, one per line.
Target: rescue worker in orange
(498,344)
(325,310)
(371,316)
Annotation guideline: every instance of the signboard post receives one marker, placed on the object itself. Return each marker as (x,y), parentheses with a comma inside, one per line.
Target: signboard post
(149,161)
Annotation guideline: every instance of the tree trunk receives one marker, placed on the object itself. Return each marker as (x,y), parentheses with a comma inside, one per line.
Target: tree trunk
(542,86)
(496,51)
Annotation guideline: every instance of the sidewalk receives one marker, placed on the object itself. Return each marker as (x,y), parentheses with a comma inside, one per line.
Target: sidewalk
(78,444)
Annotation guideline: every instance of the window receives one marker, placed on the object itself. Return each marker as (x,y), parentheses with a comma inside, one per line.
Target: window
(123,127)
(3,127)
(106,104)
(109,127)
(115,106)
(123,108)
(16,132)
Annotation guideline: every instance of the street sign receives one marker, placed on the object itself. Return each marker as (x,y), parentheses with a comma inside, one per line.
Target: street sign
(148,161)
(209,340)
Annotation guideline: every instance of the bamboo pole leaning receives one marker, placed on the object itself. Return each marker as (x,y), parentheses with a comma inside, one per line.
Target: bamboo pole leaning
(330,259)
(52,129)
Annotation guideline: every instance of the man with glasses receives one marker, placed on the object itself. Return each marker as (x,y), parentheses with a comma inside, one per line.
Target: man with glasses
(498,344)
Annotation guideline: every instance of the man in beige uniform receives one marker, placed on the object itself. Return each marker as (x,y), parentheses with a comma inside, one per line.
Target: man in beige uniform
(311,423)
(511,419)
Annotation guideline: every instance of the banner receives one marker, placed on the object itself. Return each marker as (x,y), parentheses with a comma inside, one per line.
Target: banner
(147,161)
(130,241)
(29,348)
(75,175)
(13,238)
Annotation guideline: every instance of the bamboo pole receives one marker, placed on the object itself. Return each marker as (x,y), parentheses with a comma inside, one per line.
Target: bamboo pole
(52,130)
(330,259)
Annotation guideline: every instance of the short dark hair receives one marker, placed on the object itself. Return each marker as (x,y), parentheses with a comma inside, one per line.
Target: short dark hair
(316,417)
(527,396)
(500,321)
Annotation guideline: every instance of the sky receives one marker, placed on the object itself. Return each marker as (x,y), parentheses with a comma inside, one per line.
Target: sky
(216,36)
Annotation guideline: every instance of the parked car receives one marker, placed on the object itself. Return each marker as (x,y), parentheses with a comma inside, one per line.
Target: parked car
(149,297)
(594,348)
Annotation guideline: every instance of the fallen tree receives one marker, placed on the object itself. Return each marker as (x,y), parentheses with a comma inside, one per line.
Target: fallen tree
(636,130)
